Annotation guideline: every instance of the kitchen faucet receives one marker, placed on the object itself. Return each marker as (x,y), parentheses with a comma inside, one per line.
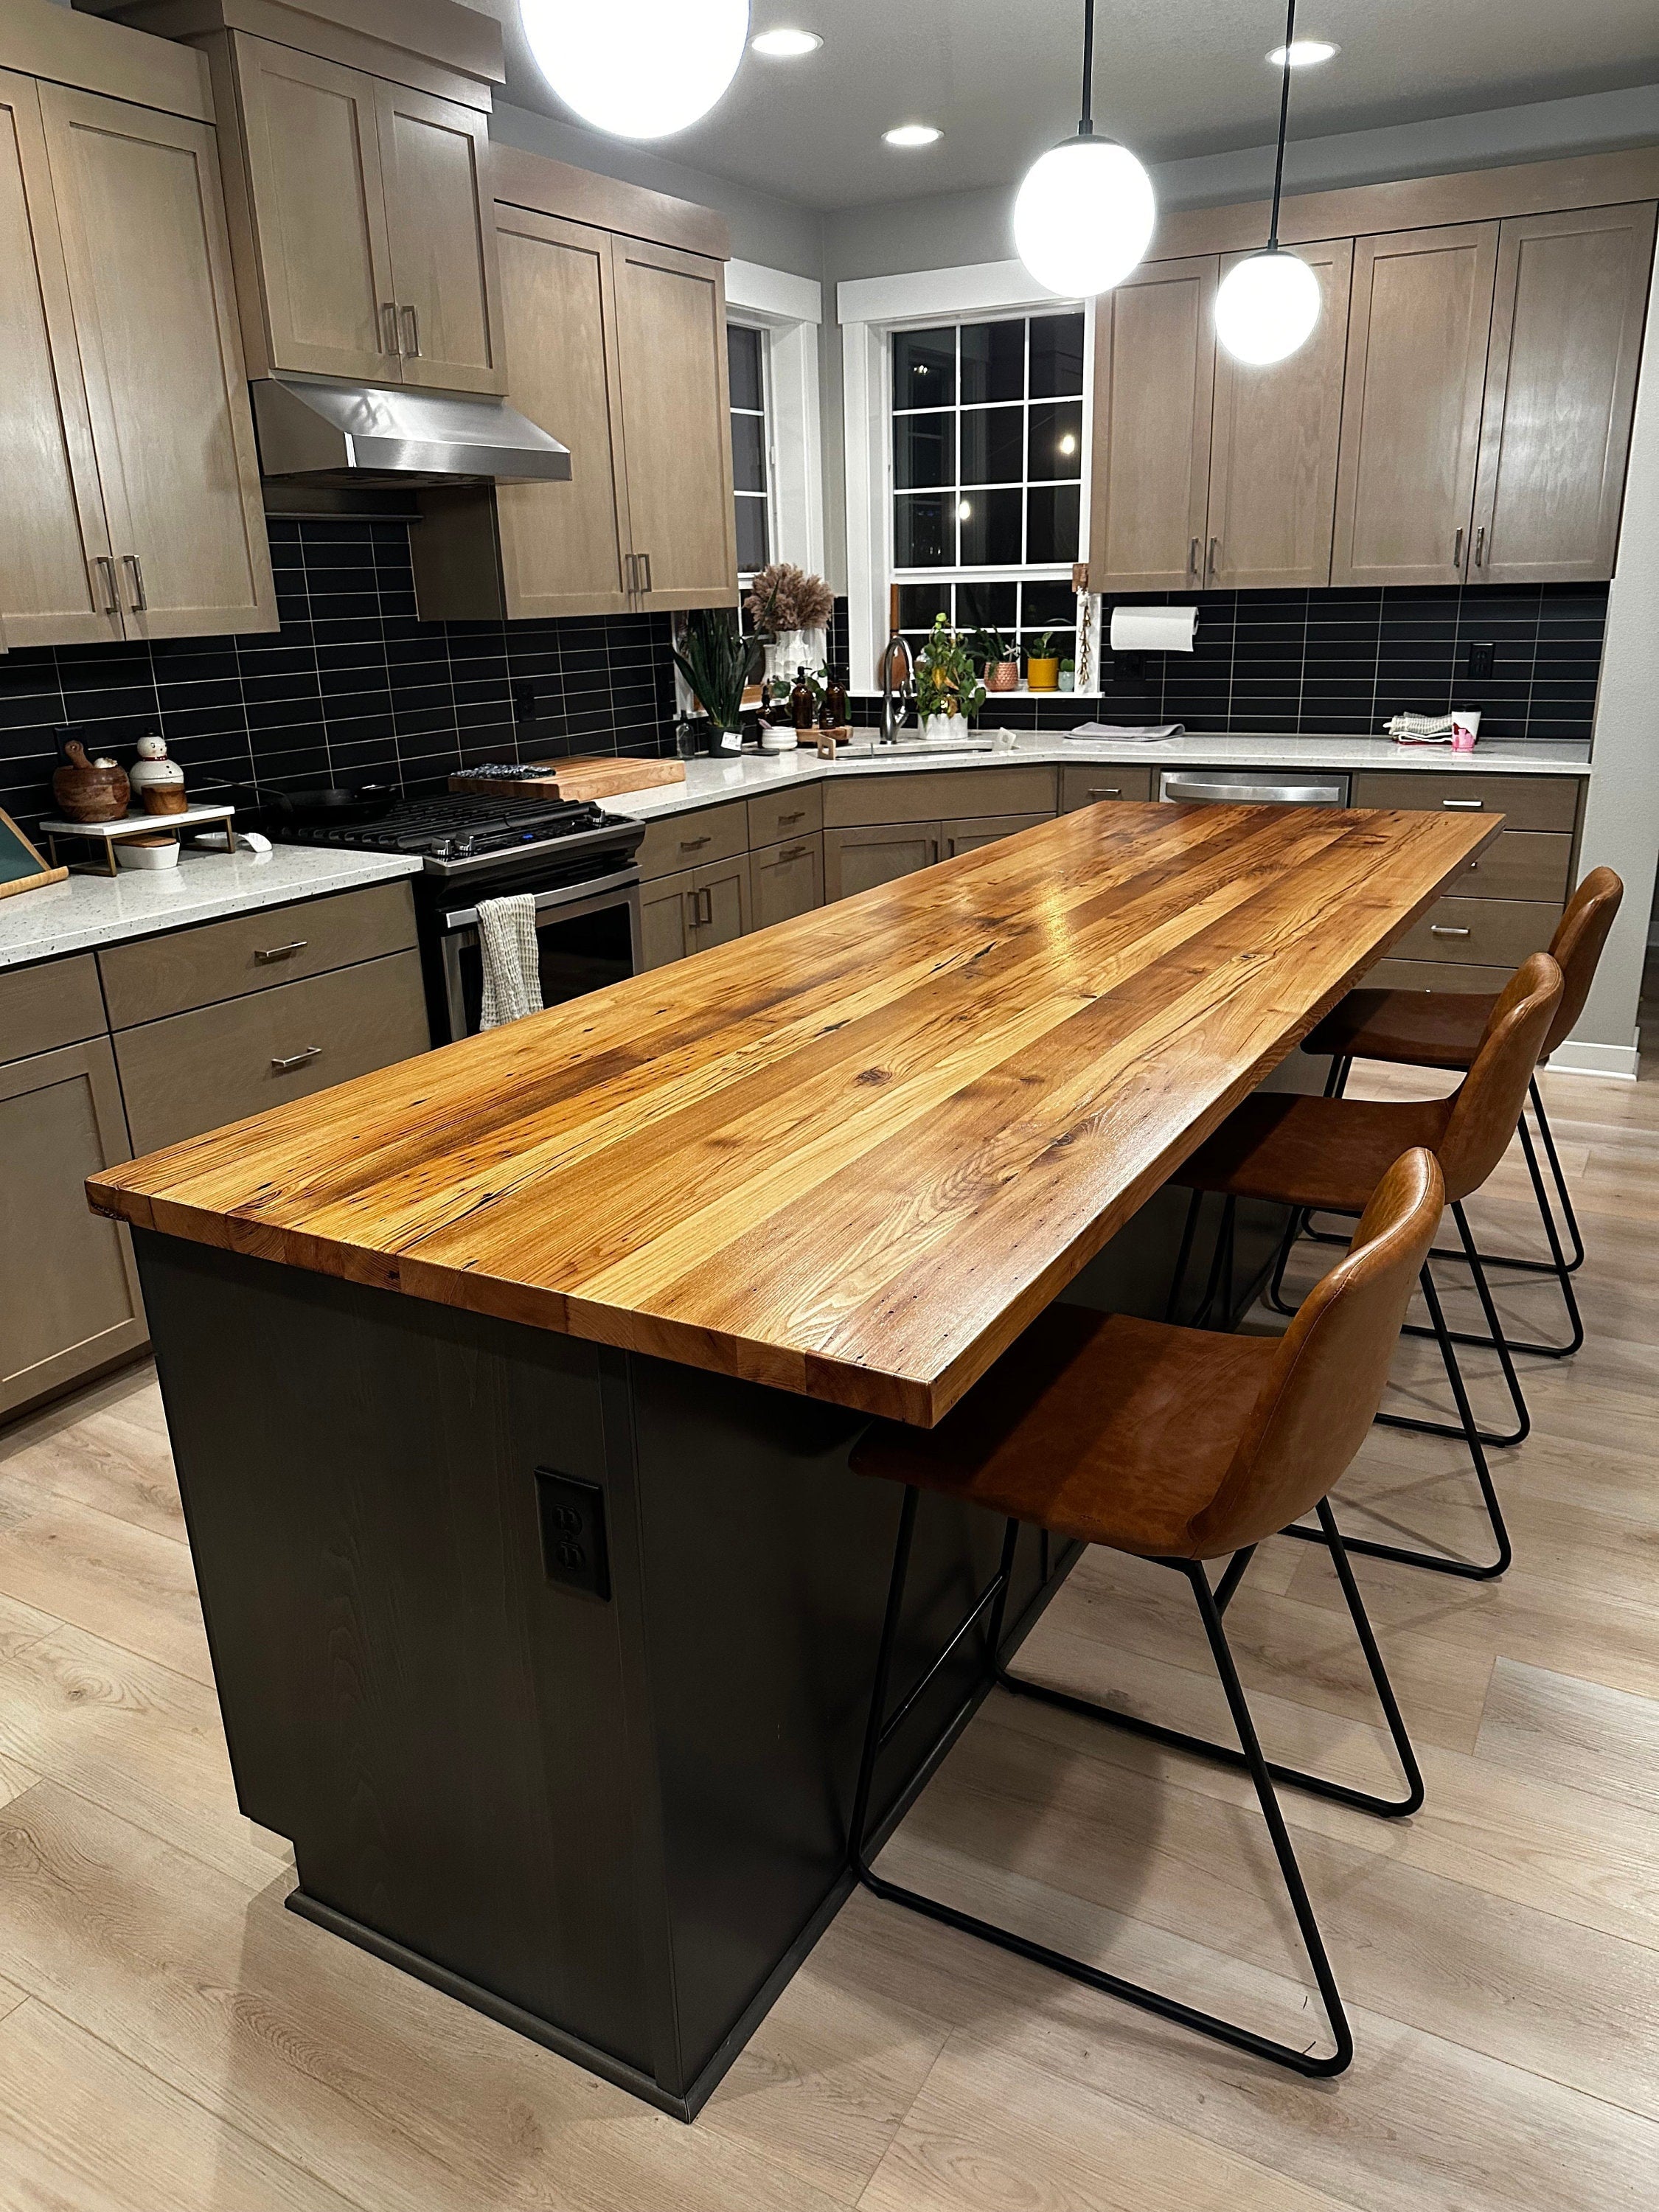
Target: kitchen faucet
(893,702)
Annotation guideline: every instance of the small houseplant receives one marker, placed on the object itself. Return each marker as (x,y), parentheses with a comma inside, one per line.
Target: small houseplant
(1042,663)
(1068,675)
(715,657)
(1002,662)
(948,690)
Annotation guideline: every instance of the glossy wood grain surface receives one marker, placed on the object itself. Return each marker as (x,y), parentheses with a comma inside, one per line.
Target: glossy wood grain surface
(855,1156)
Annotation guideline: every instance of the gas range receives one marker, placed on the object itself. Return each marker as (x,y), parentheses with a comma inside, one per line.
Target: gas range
(461,840)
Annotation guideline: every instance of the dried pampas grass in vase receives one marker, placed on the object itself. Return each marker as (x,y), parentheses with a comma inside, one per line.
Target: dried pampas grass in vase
(791,613)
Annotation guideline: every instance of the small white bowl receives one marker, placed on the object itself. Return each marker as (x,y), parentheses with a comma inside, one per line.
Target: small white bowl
(147,852)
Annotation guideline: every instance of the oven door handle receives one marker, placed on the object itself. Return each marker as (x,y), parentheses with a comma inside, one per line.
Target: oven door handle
(563,894)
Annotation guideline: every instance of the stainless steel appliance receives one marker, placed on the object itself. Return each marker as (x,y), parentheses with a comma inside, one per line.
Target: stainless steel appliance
(1255,786)
(576,861)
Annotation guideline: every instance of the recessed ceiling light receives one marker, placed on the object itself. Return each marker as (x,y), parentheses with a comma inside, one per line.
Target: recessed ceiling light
(1303,53)
(786,46)
(913,134)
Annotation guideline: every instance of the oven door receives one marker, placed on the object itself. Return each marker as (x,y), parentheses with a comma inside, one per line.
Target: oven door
(588,934)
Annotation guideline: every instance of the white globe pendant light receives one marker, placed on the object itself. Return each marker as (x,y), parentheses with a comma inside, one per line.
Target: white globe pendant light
(1083,216)
(638,69)
(1267,307)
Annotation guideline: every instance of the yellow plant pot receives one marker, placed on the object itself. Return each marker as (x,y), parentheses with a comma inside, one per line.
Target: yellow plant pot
(1042,675)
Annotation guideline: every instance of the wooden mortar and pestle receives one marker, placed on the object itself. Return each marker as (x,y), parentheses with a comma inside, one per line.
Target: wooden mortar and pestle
(89,791)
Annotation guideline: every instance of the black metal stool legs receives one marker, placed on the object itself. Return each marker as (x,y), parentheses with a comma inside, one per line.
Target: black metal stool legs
(1249,1756)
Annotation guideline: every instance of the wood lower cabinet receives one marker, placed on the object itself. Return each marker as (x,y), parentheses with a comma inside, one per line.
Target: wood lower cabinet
(694,910)
(69,1292)
(969,836)
(1274,443)
(143,225)
(1153,393)
(1489,931)
(1418,329)
(785,880)
(857,859)
(665,921)
(1566,337)
(1088,785)
(1526,802)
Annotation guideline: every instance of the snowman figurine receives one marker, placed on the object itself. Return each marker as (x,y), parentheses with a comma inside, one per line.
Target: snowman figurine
(158,783)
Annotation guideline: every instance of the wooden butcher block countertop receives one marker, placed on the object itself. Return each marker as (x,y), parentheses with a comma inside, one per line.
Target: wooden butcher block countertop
(854,1155)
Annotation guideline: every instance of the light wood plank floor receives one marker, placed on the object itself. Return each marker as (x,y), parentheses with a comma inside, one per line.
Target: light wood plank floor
(172,2041)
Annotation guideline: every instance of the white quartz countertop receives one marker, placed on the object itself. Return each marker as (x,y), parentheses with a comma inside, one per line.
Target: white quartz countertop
(88,911)
(708,781)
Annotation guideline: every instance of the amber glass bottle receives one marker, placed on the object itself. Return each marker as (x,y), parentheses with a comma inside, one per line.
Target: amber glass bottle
(802,706)
(832,715)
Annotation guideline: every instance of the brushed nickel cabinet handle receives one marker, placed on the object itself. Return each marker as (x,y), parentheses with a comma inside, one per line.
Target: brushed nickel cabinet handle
(933,842)
(295,1060)
(103,563)
(411,333)
(1457,547)
(646,587)
(1192,558)
(795,852)
(135,569)
(1105,791)
(631,574)
(795,816)
(1214,544)
(389,330)
(1464,805)
(1481,546)
(690,844)
(267,952)
(1440,929)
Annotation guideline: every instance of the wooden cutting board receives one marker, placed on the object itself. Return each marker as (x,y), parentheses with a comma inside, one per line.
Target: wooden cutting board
(588,775)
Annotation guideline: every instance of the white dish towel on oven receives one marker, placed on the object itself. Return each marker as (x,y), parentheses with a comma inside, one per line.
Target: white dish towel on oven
(511,958)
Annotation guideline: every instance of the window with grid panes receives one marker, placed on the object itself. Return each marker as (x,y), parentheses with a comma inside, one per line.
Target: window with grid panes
(987,476)
(751,475)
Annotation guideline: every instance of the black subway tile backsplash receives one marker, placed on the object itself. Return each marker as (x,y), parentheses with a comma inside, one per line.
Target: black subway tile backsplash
(352,686)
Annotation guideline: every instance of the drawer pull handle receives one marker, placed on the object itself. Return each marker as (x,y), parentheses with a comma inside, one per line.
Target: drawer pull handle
(1440,929)
(266,952)
(1464,805)
(795,852)
(295,1060)
(1105,791)
(795,816)
(690,844)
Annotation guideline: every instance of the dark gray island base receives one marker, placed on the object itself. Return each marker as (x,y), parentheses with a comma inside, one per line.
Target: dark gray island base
(615,1824)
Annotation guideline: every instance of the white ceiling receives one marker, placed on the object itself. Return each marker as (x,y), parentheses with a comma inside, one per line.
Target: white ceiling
(1173,78)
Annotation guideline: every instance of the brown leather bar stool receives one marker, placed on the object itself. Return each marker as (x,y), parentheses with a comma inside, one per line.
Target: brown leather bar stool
(1327,1156)
(1442,1028)
(1180,1446)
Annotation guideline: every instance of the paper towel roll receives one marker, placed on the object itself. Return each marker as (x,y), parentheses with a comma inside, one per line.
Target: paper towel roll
(1153,629)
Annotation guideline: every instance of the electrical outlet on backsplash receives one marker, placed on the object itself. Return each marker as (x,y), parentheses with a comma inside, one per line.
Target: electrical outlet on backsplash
(351,686)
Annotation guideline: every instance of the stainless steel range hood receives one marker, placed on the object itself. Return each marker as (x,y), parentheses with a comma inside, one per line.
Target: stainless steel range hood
(334,432)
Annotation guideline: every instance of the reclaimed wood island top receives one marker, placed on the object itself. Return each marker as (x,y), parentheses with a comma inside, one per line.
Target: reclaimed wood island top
(855,1155)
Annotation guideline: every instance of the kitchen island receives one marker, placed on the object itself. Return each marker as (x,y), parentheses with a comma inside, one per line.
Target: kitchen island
(512,1390)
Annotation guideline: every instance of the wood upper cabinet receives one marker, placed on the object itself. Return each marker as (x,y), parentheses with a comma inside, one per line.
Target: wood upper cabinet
(57,583)
(365,217)
(563,546)
(1560,391)
(670,320)
(1418,329)
(138,204)
(1273,445)
(1154,378)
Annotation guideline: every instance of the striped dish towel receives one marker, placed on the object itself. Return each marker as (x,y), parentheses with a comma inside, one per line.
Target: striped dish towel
(512,960)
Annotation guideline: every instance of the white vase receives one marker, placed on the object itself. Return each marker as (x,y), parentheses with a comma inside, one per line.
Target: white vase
(792,649)
(944,729)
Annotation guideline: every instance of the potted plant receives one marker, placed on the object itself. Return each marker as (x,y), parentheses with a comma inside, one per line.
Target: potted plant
(1002,662)
(1068,675)
(791,612)
(1042,663)
(714,658)
(948,690)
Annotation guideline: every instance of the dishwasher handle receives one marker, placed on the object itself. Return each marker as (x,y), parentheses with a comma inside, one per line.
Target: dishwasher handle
(1269,791)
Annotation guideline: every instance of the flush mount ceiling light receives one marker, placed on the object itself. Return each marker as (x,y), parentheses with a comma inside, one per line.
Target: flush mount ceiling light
(1083,216)
(785,45)
(1303,53)
(1266,306)
(913,134)
(639,68)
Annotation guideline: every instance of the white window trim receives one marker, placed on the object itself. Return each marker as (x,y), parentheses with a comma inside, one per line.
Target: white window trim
(869,308)
(790,309)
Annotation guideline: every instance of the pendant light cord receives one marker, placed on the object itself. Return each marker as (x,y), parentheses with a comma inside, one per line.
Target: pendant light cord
(1085,129)
(1283,118)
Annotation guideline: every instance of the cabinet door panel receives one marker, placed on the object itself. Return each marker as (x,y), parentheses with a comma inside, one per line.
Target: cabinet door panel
(968,836)
(434,157)
(1418,329)
(52,532)
(787,880)
(665,910)
(857,859)
(69,1292)
(720,898)
(1087,785)
(672,323)
(1274,445)
(1560,391)
(144,240)
(1154,378)
(562,543)
(314,158)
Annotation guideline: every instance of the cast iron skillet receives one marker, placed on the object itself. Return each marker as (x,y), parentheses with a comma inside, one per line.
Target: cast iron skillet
(336,803)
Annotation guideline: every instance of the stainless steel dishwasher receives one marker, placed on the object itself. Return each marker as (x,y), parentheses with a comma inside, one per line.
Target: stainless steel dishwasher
(1254,787)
